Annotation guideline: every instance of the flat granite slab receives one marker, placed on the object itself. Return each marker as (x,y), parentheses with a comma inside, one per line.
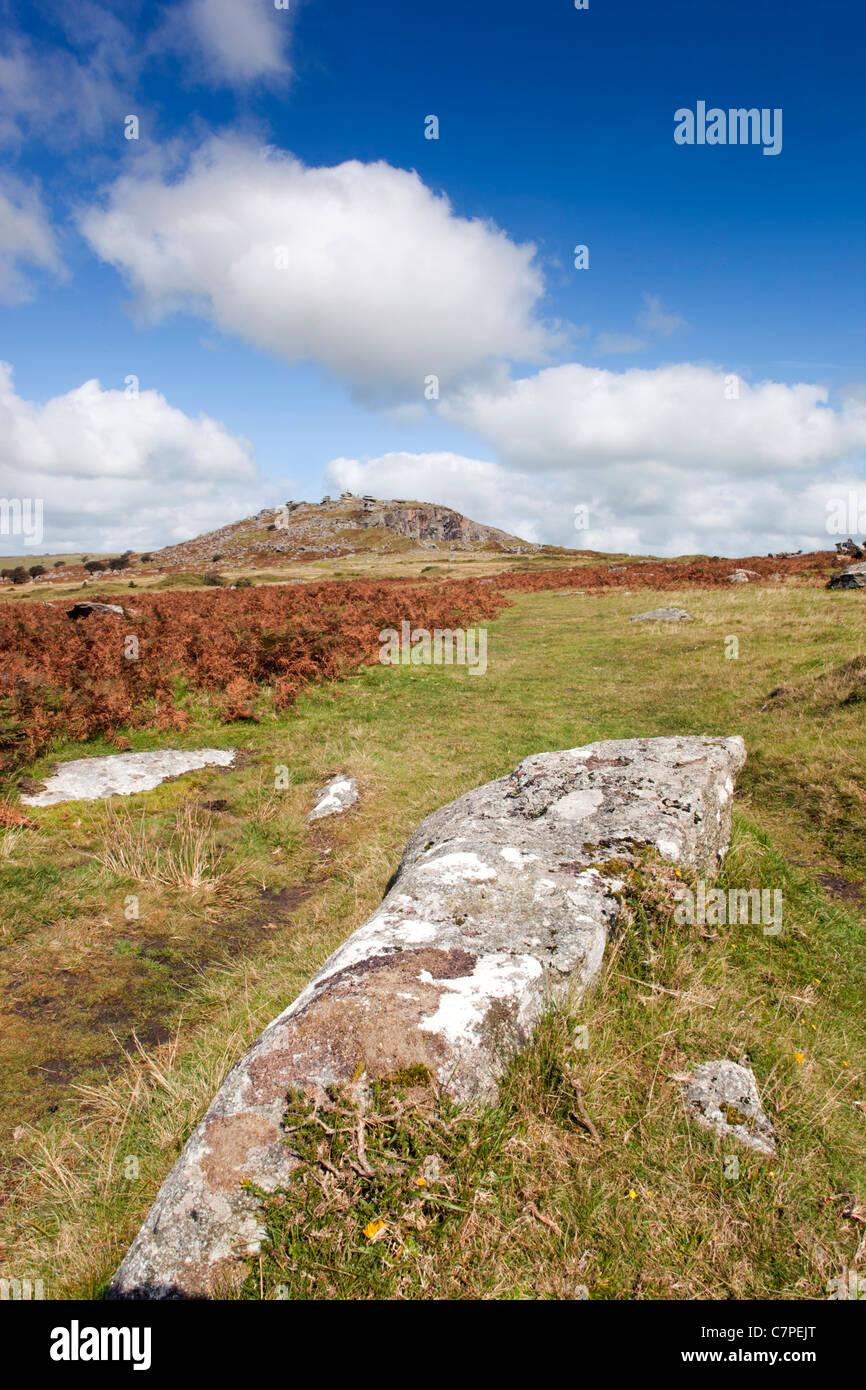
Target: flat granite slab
(502,903)
(121,774)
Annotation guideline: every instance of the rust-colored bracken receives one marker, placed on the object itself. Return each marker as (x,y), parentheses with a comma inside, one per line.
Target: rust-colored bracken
(76,679)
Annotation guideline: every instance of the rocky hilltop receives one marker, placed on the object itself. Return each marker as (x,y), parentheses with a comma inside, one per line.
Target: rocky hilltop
(347,525)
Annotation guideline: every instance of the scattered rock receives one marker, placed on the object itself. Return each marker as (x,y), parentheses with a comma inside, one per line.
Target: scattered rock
(743,576)
(339,795)
(663,615)
(121,774)
(854,577)
(502,901)
(84,608)
(723,1096)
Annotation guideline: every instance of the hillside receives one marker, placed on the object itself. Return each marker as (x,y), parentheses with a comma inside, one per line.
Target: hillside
(347,525)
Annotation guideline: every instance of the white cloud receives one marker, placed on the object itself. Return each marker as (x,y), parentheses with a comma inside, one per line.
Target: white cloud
(62,93)
(575,417)
(117,470)
(382,282)
(665,460)
(26,239)
(655,320)
(653,510)
(232,41)
(65,91)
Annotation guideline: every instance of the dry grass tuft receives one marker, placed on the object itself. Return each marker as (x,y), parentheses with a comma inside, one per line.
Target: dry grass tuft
(189,862)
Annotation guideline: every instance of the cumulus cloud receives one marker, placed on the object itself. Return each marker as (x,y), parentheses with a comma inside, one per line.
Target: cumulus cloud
(232,41)
(359,267)
(26,239)
(64,92)
(683,416)
(118,470)
(671,461)
(658,509)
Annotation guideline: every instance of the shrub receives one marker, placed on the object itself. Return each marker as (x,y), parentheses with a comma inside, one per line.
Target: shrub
(94,566)
(214,580)
(36,570)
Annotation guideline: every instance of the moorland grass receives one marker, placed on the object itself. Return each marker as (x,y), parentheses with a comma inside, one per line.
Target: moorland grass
(538,1203)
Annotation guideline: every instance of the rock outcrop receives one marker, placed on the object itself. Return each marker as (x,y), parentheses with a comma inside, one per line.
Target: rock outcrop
(428,522)
(502,902)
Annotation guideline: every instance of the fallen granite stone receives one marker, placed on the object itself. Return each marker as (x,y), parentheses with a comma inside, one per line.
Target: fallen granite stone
(854,577)
(663,615)
(743,576)
(85,607)
(122,774)
(338,795)
(502,903)
(723,1096)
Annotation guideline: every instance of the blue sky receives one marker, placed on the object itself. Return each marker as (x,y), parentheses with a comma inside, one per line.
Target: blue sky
(699,387)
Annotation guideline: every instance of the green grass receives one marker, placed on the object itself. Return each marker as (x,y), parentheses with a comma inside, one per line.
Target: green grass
(562,671)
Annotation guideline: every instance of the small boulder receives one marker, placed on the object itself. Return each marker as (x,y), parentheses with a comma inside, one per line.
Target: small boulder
(723,1096)
(663,615)
(85,607)
(743,576)
(338,795)
(854,577)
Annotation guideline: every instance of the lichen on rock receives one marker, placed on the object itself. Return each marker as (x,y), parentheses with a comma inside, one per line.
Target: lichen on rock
(502,903)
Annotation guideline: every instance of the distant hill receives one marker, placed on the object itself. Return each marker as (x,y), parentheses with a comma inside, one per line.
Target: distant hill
(347,525)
